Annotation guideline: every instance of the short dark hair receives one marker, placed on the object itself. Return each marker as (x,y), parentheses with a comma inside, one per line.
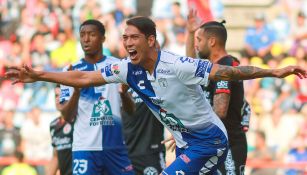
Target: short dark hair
(217,29)
(144,24)
(96,23)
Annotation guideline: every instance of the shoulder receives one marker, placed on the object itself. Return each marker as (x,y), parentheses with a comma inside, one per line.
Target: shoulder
(229,60)
(112,59)
(168,57)
(54,122)
(77,65)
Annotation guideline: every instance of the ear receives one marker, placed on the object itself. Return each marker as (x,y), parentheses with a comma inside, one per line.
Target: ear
(103,38)
(151,41)
(212,41)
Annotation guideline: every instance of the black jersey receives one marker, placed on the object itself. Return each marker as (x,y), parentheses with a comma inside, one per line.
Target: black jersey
(61,135)
(142,131)
(237,104)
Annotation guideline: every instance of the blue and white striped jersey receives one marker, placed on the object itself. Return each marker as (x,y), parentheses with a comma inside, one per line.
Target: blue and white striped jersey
(98,122)
(173,93)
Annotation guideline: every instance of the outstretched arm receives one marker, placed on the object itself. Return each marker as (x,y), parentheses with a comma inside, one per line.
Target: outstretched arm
(78,79)
(193,23)
(220,72)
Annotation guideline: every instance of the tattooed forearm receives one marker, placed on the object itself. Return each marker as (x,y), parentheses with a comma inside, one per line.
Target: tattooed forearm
(241,73)
(221,104)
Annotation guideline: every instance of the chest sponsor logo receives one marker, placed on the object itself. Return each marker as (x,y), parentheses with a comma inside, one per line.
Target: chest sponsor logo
(171,121)
(163,82)
(137,72)
(222,85)
(102,113)
(62,142)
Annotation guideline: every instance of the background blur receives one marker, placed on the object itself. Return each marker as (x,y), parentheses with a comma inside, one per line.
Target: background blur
(264,33)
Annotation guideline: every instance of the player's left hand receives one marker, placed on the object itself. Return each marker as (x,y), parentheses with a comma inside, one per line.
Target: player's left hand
(169,143)
(290,70)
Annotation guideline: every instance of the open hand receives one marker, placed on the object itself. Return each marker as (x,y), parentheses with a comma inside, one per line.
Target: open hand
(290,70)
(193,22)
(22,74)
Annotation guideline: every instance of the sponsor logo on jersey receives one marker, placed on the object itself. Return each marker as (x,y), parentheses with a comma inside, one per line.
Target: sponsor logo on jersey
(115,68)
(185,158)
(64,93)
(102,113)
(187,59)
(82,68)
(137,72)
(107,70)
(222,85)
(163,82)
(150,171)
(171,121)
(156,100)
(163,71)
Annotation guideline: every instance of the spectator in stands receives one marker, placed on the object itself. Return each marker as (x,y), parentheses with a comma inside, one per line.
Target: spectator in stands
(261,153)
(9,135)
(36,137)
(299,32)
(20,167)
(259,39)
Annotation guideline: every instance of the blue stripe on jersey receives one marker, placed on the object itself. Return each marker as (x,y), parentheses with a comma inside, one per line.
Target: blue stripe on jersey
(202,68)
(157,62)
(137,80)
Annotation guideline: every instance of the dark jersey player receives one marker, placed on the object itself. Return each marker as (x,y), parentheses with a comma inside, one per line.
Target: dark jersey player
(226,97)
(143,135)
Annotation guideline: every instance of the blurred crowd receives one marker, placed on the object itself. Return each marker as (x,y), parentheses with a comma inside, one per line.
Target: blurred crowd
(45,35)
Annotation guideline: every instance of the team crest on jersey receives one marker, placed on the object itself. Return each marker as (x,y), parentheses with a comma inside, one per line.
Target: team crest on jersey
(67,128)
(115,68)
(163,82)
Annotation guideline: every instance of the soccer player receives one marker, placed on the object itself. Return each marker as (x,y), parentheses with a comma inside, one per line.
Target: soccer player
(61,135)
(98,145)
(170,86)
(143,134)
(226,97)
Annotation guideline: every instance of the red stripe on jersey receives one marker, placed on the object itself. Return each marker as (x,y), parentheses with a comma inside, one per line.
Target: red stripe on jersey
(227,91)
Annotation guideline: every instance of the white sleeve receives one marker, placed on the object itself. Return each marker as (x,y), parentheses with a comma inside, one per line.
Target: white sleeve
(115,72)
(193,71)
(66,91)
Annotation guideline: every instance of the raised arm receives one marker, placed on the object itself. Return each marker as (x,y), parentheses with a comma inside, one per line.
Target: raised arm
(193,23)
(220,72)
(79,79)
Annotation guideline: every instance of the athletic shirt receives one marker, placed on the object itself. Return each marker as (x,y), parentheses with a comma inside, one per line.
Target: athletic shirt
(173,93)
(142,131)
(61,136)
(237,104)
(98,121)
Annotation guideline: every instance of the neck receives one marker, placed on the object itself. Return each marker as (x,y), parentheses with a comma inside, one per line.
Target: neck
(94,58)
(217,54)
(150,61)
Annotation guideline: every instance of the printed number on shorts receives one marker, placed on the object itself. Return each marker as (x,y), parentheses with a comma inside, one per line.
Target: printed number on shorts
(80,166)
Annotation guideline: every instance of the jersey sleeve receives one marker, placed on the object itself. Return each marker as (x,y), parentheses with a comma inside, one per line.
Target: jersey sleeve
(115,72)
(66,91)
(193,71)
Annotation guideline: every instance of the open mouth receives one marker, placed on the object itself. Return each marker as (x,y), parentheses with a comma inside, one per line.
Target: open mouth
(132,53)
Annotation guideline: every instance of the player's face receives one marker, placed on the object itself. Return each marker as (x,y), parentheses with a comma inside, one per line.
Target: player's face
(91,39)
(57,92)
(136,44)
(202,44)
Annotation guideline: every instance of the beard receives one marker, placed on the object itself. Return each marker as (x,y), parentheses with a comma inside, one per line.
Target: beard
(203,55)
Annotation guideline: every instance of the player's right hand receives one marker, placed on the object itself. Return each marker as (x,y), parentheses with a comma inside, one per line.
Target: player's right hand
(169,143)
(22,74)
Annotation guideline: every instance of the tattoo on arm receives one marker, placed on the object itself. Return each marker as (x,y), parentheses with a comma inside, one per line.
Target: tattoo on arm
(221,104)
(240,73)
